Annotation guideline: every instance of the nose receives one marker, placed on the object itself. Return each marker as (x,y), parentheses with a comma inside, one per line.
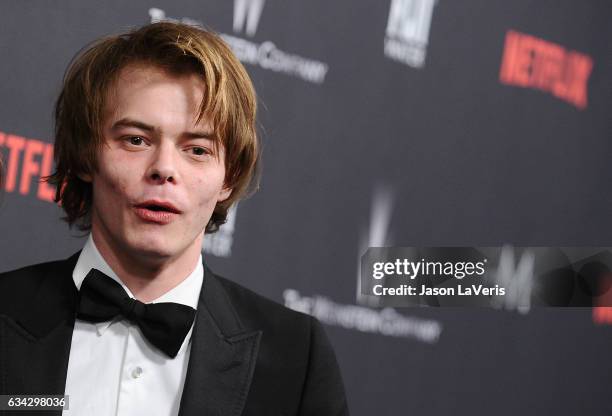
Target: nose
(163,165)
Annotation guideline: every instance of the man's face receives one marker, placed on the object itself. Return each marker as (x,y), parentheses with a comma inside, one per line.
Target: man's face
(155,154)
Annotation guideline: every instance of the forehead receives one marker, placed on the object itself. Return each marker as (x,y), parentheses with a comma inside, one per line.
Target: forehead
(147,88)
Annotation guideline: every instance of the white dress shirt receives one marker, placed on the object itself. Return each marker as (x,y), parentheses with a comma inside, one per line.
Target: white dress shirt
(113,369)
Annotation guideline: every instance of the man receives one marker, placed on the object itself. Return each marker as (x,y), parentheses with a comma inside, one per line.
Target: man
(155,139)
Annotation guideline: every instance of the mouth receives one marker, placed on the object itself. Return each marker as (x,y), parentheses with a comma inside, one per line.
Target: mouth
(158,212)
(159,206)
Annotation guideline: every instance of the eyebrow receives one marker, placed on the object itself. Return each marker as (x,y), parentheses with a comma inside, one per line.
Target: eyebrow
(128,122)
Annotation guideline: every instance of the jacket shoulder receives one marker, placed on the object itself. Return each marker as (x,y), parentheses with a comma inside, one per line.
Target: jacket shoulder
(257,311)
(25,278)
(19,285)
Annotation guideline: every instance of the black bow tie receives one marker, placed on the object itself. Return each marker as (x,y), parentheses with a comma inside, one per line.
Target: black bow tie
(164,325)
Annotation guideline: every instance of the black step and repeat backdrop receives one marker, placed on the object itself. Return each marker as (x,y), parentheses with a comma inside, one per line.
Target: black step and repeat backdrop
(384,123)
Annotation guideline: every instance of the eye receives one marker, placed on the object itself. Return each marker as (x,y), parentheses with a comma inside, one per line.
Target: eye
(135,140)
(200,151)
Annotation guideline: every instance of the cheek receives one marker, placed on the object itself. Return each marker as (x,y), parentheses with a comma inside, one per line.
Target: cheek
(114,183)
(208,191)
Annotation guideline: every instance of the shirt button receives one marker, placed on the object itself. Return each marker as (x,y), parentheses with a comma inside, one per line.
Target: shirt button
(137,372)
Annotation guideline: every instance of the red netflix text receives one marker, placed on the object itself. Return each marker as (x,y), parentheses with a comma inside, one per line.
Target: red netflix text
(531,62)
(26,161)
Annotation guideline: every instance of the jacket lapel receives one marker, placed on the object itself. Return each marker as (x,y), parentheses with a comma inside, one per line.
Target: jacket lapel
(39,335)
(222,358)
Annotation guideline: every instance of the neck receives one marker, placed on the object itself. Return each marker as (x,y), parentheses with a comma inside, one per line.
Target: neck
(148,276)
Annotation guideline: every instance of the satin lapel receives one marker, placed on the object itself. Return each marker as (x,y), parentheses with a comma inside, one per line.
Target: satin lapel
(222,357)
(37,340)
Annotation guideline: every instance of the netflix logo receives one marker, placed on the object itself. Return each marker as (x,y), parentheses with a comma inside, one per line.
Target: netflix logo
(530,62)
(25,162)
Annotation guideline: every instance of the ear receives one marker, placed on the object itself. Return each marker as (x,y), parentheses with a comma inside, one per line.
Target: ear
(224,193)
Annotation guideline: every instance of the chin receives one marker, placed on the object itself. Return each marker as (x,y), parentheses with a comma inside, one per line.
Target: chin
(157,247)
(156,252)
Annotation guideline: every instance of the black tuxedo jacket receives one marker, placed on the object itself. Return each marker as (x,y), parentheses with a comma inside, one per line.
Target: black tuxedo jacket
(249,355)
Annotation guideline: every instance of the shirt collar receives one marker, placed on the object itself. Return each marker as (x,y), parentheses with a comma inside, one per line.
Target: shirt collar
(187,292)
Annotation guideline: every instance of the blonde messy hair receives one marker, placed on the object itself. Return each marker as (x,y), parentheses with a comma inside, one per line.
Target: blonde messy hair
(229,102)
